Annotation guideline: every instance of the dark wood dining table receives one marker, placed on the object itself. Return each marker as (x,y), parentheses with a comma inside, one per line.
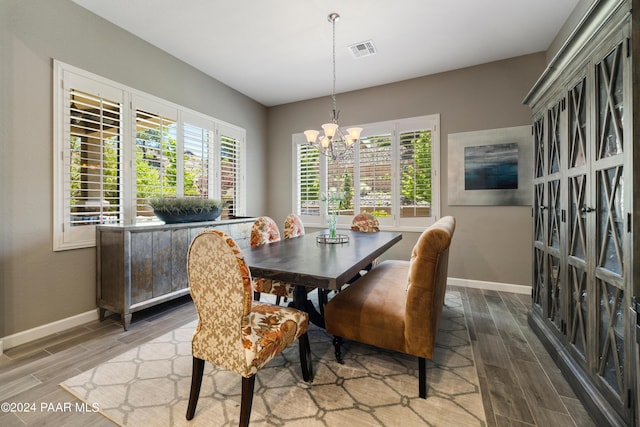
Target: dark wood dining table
(304,262)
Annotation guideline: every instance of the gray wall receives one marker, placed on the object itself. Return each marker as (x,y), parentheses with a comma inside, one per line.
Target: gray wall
(569,27)
(37,285)
(491,243)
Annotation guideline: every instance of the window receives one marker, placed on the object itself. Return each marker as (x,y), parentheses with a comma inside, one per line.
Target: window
(117,147)
(230,167)
(392,174)
(156,165)
(307,201)
(416,169)
(375,177)
(196,142)
(340,178)
(88,166)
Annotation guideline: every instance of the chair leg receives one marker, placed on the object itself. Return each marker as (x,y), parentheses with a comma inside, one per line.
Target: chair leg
(306,363)
(256,296)
(247,399)
(422,377)
(196,382)
(337,342)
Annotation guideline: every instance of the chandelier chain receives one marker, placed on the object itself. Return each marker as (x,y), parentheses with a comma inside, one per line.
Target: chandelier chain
(333,92)
(334,143)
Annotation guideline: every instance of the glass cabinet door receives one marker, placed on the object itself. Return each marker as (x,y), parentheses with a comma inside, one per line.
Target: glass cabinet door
(555,279)
(609,179)
(539,289)
(578,209)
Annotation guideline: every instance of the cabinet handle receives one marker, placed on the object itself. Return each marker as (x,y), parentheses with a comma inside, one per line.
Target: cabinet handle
(586,209)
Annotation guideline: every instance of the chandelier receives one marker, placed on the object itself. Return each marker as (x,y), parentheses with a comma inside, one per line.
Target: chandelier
(334,143)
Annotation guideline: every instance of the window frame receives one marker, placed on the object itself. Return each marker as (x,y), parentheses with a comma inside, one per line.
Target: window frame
(395,128)
(130,100)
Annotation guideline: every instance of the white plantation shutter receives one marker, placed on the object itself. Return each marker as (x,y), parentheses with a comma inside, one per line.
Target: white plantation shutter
(415,167)
(196,152)
(231,164)
(94,144)
(156,158)
(340,179)
(87,180)
(375,164)
(392,174)
(307,192)
(419,181)
(116,147)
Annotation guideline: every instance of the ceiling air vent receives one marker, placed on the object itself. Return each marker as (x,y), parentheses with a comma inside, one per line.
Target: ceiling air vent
(363,49)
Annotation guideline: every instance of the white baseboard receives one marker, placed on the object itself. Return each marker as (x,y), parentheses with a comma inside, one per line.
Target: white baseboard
(492,286)
(44,330)
(80,319)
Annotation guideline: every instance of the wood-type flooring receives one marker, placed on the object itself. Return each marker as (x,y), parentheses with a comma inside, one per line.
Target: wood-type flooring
(520,383)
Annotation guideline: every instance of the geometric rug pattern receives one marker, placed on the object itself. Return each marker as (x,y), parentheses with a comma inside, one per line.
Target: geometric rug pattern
(149,385)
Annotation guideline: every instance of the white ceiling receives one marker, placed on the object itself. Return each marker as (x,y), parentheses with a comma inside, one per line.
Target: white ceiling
(279,51)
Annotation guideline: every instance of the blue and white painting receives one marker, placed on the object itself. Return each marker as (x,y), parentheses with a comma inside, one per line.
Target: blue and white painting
(491,167)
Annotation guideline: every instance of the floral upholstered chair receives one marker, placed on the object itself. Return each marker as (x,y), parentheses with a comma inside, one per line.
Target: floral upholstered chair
(265,231)
(293,226)
(365,222)
(234,332)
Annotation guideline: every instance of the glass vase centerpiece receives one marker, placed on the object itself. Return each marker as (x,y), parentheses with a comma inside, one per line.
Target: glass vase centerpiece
(333,201)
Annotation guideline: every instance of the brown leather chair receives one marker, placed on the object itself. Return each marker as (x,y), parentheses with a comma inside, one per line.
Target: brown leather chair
(397,305)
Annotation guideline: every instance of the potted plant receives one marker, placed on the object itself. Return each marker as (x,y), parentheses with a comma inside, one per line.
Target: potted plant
(186,209)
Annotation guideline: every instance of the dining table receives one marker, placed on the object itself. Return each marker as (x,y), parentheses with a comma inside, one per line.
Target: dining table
(313,260)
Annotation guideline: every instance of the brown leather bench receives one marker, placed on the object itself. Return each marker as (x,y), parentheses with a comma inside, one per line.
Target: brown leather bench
(397,305)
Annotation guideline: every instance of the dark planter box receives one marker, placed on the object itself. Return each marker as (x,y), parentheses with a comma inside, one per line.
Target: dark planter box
(171,218)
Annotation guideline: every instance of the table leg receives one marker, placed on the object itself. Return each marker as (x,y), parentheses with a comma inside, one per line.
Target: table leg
(301,302)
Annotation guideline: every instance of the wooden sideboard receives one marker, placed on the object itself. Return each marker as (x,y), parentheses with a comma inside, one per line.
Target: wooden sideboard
(139,266)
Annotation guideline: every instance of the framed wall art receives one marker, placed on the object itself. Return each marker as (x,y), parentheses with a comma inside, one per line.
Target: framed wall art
(491,167)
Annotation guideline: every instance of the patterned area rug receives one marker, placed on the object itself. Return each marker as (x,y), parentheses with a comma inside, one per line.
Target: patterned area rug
(149,385)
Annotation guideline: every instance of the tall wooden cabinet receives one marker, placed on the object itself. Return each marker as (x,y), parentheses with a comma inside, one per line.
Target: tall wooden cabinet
(585,139)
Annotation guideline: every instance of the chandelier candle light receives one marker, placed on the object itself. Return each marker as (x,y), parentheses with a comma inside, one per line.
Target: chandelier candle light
(334,143)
